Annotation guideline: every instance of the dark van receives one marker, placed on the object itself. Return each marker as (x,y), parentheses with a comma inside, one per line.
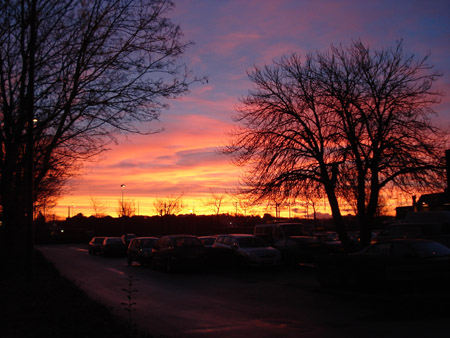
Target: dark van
(432,225)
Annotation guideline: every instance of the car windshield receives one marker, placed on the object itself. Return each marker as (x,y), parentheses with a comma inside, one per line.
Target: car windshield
(252,242)
(148,243)
(430,249)
(187,242)
(208,241)
(306,239)
(113,240)
(98,240)
(327,236)
(293,229)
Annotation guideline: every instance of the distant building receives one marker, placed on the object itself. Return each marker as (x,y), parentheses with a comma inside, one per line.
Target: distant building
(434,202)
(430,202)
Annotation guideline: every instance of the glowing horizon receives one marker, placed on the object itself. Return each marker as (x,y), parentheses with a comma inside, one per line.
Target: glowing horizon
(230,38)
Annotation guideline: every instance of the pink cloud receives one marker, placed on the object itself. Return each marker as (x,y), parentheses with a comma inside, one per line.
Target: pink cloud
(230,38)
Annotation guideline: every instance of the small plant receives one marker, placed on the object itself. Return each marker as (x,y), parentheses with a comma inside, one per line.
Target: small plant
(129,305)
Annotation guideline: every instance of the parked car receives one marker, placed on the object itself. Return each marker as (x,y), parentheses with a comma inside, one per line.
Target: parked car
(302,250)
(275,232)
(126,238)
(208,241)
(434,226)
(95,245)
(294,241)
(330,239)
(249,249)
(140,250)
(397,261)
(175,252)
(113,246)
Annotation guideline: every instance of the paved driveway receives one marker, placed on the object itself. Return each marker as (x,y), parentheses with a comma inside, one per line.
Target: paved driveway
(280,303)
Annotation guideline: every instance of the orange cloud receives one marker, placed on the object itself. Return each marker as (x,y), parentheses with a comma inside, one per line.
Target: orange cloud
(230,38)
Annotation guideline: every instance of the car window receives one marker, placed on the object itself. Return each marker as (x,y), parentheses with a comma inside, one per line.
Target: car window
(147,243)
(264,230)
(227,240)
(187,242)
(116,240)
(208,241)
(252,242)
(293,229)
(179,242)
(163,243)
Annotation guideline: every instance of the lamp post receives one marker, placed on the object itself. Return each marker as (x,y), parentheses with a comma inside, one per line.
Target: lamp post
(123,187)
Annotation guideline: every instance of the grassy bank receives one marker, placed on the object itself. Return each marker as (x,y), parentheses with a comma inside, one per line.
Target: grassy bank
(48,305)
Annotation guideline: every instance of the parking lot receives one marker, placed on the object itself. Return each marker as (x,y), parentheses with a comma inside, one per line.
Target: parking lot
(249,303)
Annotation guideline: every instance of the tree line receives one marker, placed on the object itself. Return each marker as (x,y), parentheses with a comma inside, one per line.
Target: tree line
(348,124)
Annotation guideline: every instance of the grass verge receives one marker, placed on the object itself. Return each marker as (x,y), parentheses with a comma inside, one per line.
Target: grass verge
(48,305)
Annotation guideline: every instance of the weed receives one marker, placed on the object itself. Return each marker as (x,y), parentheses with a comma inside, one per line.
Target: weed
(129,305)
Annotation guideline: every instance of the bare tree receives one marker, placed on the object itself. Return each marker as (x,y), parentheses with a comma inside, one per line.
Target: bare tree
(171,205)
(352,120)
(73,73)
(126,208)
(98,206)
(242,203)
(214,203)
(311,196)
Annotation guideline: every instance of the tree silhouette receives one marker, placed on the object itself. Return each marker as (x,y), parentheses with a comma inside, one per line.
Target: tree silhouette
(72,75)
(353,120)
(215,201)
(126,208)
(99,206)
(171,205)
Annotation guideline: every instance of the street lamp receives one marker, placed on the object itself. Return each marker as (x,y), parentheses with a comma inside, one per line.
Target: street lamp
(122,186)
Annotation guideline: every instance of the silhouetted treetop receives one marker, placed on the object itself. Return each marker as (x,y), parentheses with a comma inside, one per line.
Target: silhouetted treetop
(350,121)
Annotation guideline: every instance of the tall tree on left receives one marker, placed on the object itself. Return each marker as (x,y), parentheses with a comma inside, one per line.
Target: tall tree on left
(72,75)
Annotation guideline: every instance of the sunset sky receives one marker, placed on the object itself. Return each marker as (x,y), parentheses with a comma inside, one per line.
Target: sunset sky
(232,36)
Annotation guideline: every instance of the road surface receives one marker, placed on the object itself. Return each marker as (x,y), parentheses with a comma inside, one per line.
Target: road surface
(280,303)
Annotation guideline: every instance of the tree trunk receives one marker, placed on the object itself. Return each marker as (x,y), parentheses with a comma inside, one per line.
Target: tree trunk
(337,219)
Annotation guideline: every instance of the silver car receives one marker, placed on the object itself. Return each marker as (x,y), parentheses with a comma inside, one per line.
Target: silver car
(251,250)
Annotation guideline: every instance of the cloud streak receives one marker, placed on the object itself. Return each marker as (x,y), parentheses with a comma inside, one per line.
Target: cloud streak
(230,38)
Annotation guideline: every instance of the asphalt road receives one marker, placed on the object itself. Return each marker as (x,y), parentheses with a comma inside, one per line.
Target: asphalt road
(278,303)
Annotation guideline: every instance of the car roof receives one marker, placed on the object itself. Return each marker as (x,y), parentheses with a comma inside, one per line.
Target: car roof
(410,240)
(239,235)
(178,236)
